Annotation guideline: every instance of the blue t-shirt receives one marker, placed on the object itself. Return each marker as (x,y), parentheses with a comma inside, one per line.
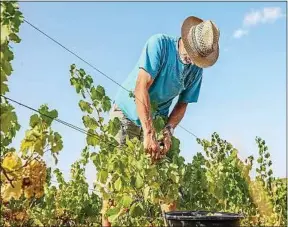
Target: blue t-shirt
(172,78)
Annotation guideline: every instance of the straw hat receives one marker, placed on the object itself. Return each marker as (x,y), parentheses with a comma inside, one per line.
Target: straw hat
(200,39)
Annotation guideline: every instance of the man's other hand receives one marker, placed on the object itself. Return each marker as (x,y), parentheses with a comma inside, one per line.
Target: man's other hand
(167,141)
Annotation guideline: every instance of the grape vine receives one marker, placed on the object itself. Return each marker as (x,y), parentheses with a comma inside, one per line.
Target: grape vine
(138,188)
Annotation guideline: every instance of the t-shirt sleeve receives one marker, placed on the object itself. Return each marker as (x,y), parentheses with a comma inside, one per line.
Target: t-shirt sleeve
(191,93)
(150,58)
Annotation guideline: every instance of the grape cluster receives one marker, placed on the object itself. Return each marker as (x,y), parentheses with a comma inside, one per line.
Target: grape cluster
(34,177)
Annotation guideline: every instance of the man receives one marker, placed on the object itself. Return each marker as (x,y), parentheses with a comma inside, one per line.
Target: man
(168,67)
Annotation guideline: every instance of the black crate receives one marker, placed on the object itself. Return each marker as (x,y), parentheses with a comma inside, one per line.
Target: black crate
(202,219)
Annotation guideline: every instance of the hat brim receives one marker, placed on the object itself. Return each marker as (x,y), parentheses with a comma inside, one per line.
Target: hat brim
(197,59)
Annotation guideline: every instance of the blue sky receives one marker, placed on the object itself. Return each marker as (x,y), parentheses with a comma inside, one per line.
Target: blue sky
(242,96)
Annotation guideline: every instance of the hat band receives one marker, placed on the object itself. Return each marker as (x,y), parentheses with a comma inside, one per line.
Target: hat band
(203,54)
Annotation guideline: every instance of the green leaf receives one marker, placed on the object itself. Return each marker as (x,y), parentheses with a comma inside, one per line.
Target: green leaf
(8,54)
(101,119)
(72,67)
(82,72)
(88,81)
(113,214)
(119,167)
(175,146)
(90,122)
(114,126)
(139,181)
(106,103)
(103,175)
(34,120)
(98,93)
(174,166)
(139,165)
(131,94)
(8,118)
(175,177)
(111,166)
(4,88)
(51,115)
(154,106)
(14,37)
(113,218)
(151,172)
(126,201)
(118,184)
(159,124)
(10,8)
(3,75)
(73,80)
(92,139)
(262,168)
(78,88)
(260,160)
(56,143)
(136,210)
(267,155)
(38,147)
(85,106)
(7,67)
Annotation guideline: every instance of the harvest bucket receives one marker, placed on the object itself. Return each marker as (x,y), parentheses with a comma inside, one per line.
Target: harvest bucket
(202,219)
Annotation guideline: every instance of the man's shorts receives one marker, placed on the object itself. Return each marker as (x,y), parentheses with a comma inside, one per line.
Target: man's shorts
(128,128)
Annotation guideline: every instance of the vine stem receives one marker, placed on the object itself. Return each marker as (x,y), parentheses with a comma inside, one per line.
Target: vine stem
(88,92)
(6,175)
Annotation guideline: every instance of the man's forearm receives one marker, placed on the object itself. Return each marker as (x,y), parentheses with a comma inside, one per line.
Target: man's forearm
(144,110)
(177,114)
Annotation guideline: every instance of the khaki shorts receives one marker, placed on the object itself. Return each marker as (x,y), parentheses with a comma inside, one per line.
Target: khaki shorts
(128,128)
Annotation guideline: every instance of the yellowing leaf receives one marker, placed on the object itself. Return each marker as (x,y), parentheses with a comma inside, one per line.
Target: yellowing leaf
(4,33)
(146,193)
(26,145)
(139,181)
(11,161)
(8,192)
(175,177)
(118,184)
(126,201)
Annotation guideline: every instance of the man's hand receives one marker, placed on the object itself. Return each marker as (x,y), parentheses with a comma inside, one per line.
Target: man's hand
(143,83)
(151,145)
(167,141)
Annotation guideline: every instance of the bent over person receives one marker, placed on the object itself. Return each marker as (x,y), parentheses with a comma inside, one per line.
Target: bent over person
(168,67)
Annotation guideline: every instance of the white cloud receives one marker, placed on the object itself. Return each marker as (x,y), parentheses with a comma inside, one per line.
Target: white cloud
(256,17)
(252,18)
(239,33)
(266,15)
